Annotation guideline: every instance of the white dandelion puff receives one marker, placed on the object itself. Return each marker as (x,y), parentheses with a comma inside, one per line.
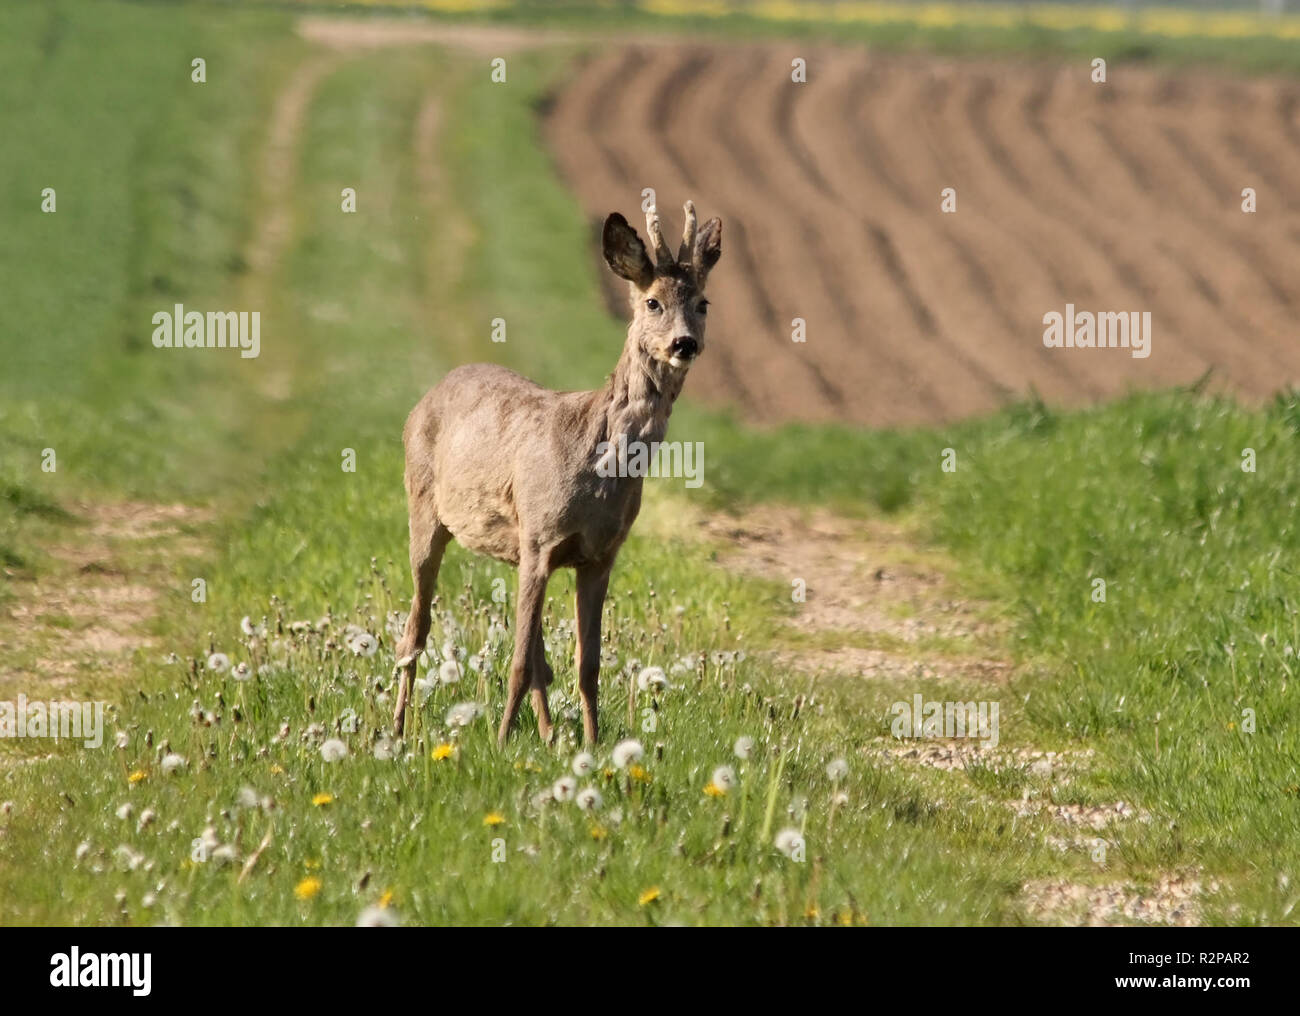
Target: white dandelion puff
(724,777)
(125,811)
(789,842)
(83,850)
(333,750)
(837,769)
(250,629)
(463,714)
(122,739)
(565,788)
(589,799)
(627,752)
(241,672)
(652,679)
(363,644)
(172,762)
(223,855)
(246,798)
(583,763)
(840,799)
(377,917)
(218,663)
(743,747)
(449,672)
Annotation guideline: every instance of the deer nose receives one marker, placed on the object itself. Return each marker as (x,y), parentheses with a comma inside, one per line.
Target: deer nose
(685,347)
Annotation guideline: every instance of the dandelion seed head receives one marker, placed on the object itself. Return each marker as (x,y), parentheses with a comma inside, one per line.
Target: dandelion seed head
(172,763)
(837,769)
(463,714)
(789,841)
(449,672)
(333,750)
(241,671)
(583,763)
(218,663)
(565,788)
(589,799)
(627,752)
(377,917)
(652,680)
(724,777)
(743,747)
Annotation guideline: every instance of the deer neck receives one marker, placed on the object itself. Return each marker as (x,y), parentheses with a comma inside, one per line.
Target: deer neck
(640,394)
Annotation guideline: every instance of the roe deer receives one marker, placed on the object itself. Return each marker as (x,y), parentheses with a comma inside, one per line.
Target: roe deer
(512,470)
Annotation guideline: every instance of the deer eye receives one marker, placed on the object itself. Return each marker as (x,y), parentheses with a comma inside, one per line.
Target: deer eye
(702,307)
(653,306)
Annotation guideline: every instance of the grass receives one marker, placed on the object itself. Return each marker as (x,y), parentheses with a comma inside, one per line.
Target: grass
(360,313)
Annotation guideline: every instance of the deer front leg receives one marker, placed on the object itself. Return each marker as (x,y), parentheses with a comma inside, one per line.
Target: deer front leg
(528,631)
(541,679)
(590,602)
(429,538)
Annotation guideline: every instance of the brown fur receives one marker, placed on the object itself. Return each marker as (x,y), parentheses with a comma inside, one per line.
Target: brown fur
(509,468)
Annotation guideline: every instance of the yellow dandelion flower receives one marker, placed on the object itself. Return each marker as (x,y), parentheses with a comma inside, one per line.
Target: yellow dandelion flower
(311,864)
(1232,725)
(598,832)
(639,774)
(322,799)
(608,773)
(442,751)
(812,913)
(307,888)
(648,896)
(136,776)
(493,818)
(386,899)
(277,769)
(713,790)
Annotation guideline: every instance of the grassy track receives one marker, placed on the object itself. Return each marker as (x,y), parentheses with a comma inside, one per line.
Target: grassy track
(361,313)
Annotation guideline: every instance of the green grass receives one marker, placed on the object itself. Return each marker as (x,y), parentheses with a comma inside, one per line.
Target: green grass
(362,313)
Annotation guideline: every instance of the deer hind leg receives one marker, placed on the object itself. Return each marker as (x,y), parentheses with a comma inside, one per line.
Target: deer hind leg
(590,601)
(542,676)
(528,636)
(429,538)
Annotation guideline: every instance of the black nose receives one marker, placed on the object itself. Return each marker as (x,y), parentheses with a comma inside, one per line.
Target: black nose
(685,347)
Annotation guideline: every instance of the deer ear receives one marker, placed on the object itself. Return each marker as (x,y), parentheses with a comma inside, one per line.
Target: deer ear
(708,246)
(625,253)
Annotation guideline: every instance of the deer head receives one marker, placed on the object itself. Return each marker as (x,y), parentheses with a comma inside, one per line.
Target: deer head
(667,294)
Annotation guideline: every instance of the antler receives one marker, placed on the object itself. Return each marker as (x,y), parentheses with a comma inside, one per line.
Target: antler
(662,254)
(686,253)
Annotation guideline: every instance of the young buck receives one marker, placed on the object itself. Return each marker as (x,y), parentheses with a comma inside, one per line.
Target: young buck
(513,470)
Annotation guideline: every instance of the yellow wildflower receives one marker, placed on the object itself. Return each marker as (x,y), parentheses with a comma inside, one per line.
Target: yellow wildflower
(322,798)
(493,818)
(598,832)
(713,790)
(638,773)
(277,769)
(307,888)
(136,776)
(648,896)
(386,899)
(442,751)
(311,864)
